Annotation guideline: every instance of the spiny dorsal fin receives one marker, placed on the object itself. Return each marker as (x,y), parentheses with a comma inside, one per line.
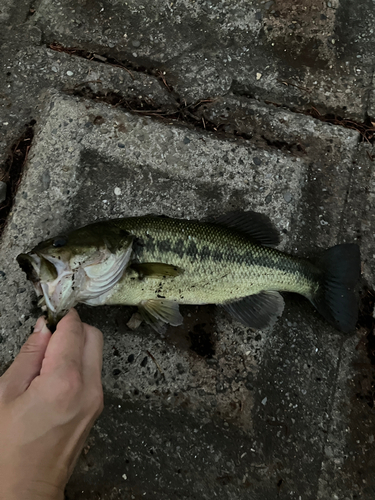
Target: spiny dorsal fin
(156,270)
(257,311)
(158,311)
(256,226)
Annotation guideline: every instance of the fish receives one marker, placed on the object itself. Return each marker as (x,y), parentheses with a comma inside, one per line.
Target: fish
(157,263)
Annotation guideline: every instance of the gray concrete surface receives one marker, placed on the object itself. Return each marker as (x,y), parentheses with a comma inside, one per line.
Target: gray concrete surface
(211,409)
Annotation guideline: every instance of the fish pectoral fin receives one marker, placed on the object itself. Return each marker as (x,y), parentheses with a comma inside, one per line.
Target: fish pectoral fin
(256,226)
(156,270)
(257,311)
(158,311)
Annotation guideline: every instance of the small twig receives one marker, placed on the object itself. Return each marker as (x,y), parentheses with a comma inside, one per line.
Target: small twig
(162,77)
(149,112)
(60,48)
(156,363)
(99,57)
(316,111)
(305,89)
(120,65)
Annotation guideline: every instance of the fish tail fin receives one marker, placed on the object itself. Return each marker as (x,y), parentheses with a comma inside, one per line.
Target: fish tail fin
(337,296)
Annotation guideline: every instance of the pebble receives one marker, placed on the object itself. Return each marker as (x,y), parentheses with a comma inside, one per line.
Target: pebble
(69,73)
(45,180)
(287,197)
(259,76)
(268,198)
(3,191)
(117,191)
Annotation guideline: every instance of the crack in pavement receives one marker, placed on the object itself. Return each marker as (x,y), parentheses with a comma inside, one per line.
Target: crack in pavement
(13,170)
(112,61)
(366,129)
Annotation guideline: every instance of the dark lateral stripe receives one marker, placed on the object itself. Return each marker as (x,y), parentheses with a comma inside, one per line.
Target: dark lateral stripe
(259,256)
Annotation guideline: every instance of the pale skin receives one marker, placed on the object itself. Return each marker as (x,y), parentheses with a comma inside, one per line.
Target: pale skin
(50,398)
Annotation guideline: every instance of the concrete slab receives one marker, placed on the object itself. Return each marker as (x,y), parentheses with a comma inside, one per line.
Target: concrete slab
(298,55)
(213,408)
(36,69)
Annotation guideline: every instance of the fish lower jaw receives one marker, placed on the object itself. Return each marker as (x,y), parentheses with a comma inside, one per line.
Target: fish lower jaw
(58,296)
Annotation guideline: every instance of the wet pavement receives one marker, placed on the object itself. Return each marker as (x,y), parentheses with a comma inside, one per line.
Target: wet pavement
(190,109)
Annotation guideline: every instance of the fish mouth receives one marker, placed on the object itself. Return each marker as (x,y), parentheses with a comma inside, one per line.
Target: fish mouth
(48,276)
(30,264)
(61,283)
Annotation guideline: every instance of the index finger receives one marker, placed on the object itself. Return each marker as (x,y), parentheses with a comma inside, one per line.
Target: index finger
(66,345)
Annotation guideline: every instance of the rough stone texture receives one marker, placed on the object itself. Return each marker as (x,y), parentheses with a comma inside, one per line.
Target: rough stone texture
(212,409)
(294,54)
(3,191)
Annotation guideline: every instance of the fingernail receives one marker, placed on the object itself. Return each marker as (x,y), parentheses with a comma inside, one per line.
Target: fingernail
(40,326)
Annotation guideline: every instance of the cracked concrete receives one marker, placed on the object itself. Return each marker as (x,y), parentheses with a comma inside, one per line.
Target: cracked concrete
(296,54)
(212,409)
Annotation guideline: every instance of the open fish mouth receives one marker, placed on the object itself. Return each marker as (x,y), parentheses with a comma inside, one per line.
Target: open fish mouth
(61,284)
(30,264)
(50,276)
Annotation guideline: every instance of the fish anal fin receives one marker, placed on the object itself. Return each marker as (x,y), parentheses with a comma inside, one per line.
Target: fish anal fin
(156,270)
(257,311)
(256,226)
(155,312)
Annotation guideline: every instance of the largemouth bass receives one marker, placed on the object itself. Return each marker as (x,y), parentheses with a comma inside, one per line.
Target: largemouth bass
(157,263)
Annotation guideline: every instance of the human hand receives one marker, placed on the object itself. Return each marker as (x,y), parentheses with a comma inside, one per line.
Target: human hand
(50,398)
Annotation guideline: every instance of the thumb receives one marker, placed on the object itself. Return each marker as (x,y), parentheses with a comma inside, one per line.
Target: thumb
(27,364)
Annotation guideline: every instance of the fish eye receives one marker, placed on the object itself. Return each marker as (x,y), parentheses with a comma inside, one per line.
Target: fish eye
(60,241)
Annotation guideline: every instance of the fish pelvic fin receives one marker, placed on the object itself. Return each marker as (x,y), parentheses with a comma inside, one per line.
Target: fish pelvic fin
(337,298)
(257,311)
(156,312)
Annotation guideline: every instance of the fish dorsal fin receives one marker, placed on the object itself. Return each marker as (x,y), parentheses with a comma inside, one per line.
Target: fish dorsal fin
(155,312)
(256,226)
(156,270)
(257,311)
